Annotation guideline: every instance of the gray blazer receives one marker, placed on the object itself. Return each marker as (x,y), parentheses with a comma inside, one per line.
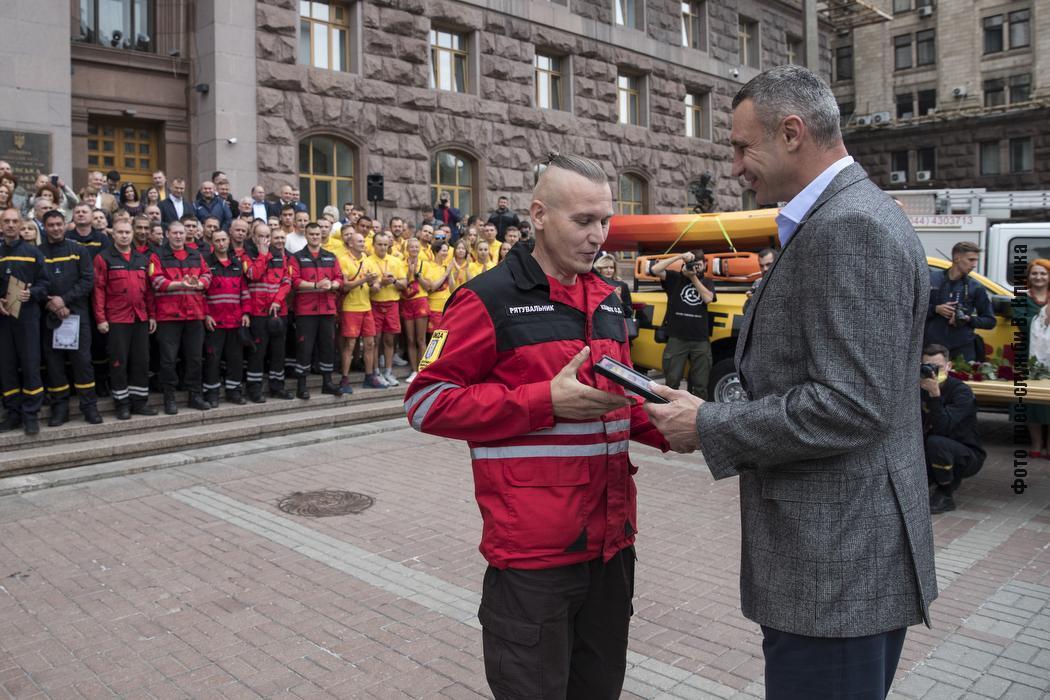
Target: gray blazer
(837,539)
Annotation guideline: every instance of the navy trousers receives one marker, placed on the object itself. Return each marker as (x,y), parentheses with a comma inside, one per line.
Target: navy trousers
(826,668)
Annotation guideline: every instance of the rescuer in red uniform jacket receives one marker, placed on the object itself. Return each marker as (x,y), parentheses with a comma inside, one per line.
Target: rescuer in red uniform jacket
(510,370)
(123,304)
(316,279)
(179,276)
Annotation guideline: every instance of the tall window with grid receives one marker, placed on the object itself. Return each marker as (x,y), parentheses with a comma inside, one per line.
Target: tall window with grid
(697,115)
(449,53)
(548,82)
(118,24)
(326,173)
(629,99)
(631,196)
(694,25)
(747,42)
(324,35)
(453,172)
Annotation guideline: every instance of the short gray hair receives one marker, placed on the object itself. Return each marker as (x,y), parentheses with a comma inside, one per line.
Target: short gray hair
(786,90)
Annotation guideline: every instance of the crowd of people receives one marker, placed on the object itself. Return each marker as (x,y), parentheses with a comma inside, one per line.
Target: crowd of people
(116,292)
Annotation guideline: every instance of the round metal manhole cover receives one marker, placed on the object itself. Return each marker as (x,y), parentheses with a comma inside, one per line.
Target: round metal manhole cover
(321,504)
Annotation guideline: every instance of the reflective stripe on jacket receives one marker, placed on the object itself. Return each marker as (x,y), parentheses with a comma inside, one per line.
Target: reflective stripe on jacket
(123,293)
(227,294)
(307,268)
(551,492)
(178,304)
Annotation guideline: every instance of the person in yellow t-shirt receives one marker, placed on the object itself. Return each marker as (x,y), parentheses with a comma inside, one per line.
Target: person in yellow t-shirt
(355,309)
(484,260)
(426,240)
(386,292)
(435,281)
(396,228)
(471,237)
(460,266)
(415,309)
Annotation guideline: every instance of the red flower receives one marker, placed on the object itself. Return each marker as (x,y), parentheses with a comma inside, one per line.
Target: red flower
(1005,372)
(1008,353)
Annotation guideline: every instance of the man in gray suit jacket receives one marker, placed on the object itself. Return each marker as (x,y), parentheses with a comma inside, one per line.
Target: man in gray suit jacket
(837,556)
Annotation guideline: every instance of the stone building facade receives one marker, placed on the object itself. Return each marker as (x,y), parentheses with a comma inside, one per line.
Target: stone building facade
(396,122)
(949,94)
(235,85)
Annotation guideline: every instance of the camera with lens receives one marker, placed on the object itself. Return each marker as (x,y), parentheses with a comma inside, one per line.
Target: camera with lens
(961,316)
(693,266)
(928,371)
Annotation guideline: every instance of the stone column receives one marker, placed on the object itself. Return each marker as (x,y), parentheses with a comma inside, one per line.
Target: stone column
(227,112)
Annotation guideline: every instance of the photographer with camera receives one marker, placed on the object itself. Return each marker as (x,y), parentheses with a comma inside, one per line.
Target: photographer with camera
(949,428)
(958,306)
(686,321)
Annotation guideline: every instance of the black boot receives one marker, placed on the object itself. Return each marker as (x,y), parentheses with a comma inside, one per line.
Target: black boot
(171,407)
(941,501)
(234,396)
(141,408)
(59,413)
(301,392)
(31,425)
(255,394)
(91,415)
(124,410)
(212,397)
(12,421)
(278,391)
(327,387)
(197,401)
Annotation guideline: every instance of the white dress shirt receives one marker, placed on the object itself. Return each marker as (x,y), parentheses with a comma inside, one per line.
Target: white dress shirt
(179,207)
(793,212)
(259,210)
(294,242)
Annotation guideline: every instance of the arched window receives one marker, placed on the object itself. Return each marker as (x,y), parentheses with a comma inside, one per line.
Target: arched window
(632,195)
(326,173)
(453,172)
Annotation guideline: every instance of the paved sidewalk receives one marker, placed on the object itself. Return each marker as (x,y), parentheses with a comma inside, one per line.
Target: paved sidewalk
(189,582)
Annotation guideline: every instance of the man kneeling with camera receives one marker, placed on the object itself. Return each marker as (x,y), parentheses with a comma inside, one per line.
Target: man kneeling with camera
(949,426)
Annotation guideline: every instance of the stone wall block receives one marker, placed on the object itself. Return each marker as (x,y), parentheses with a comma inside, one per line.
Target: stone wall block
(276,47)
(416,98)
(273,19)
(399,120)
(279,76)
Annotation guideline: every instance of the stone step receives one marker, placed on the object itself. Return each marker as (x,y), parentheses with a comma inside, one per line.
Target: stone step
(161,434)
(67,476)
(76,429)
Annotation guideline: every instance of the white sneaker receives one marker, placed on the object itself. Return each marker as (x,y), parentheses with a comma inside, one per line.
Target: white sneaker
(390,379)
(400,361)
(411,377)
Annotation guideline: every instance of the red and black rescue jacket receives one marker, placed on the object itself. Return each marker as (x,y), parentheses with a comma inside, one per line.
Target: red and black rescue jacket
(310,268)
(123,293)
(168,266)
(269,282)
(227,294)
(551,492)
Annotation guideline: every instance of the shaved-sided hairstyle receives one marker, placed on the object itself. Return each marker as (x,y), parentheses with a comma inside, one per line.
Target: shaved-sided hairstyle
(584,167)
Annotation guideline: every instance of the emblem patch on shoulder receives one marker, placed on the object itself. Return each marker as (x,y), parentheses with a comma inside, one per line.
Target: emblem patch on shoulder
(433,352)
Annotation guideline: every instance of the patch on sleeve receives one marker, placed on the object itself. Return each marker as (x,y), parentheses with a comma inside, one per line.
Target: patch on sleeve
(437,342)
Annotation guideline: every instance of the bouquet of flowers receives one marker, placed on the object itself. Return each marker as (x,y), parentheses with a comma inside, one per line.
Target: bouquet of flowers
(999,366)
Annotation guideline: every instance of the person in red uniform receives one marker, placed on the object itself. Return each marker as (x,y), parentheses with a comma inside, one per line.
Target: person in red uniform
(123,304)
(269,283)
(510,370)
(227,300)
(317,280)
(179,276)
